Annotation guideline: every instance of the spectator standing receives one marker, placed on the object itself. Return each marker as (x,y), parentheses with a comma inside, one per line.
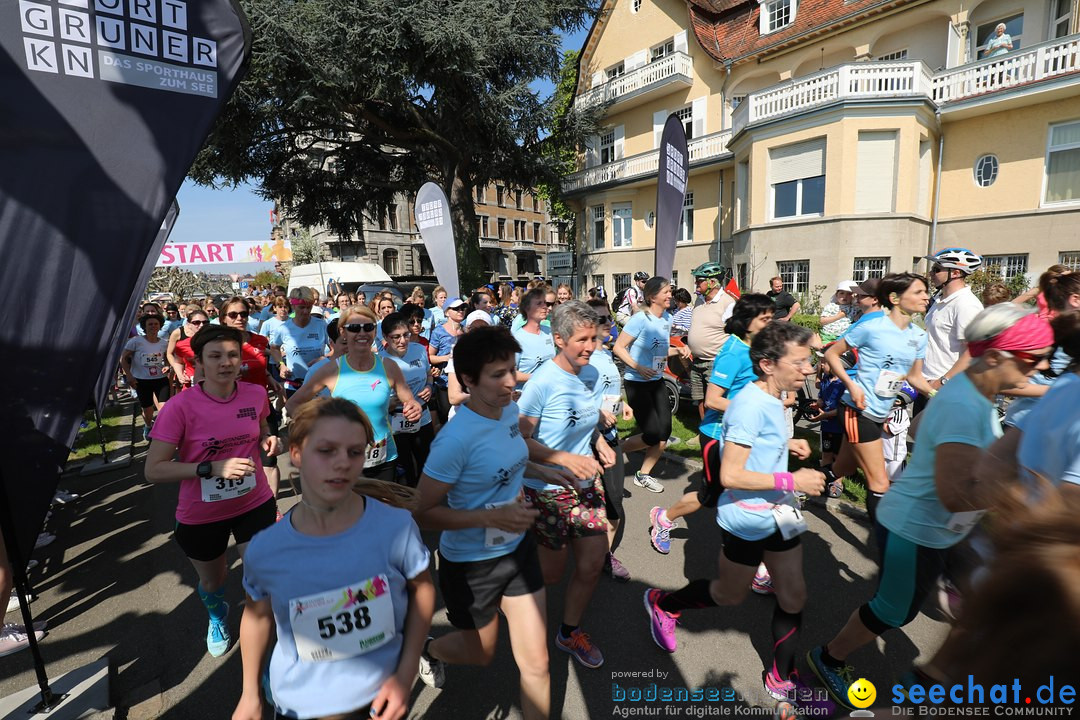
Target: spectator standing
(707,334)
(954,306)
(786,304)
(632,298)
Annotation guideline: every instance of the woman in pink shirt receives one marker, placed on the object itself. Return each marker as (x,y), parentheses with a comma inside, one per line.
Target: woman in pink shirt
(216,432)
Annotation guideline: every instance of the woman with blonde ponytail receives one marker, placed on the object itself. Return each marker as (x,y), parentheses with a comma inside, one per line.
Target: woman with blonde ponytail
(344,579)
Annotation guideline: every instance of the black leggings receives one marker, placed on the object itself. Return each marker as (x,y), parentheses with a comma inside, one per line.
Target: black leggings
(440,396)
(413,449)
(652,412)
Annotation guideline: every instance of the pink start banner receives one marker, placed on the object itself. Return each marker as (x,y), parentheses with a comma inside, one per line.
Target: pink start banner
(217,253)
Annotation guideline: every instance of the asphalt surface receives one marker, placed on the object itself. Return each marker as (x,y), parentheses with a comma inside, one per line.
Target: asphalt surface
(114,584)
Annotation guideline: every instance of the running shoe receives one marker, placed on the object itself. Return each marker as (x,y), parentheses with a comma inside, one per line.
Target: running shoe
(38,625)
(13,603)
(217,635)
(63,497)
(779,689)
(432,671)
(659,532)
(762,583)
(146,433)
(661,622)
(616,569)
(835,488)
(648,482)
(12,641)
(580,646)
(949,598)
(837,680)
(43,539)
(811,701)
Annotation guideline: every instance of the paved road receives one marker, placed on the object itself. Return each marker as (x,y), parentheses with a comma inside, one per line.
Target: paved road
(115,584)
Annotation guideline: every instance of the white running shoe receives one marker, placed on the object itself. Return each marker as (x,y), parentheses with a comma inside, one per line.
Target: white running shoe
(12,640)
(432,671)
(63,497)
(648,482)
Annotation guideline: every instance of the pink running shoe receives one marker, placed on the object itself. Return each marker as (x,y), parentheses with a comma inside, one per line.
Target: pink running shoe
(661,622)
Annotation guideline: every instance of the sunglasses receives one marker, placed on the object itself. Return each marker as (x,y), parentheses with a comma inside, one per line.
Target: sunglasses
(360,327)
(197,322)
(1030,358)
(604,318)
(459,308)
(549,304)
(235,314)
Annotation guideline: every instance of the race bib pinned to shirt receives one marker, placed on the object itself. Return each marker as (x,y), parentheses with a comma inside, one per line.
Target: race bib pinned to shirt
(963,522)
(343,623)
(376,454)
(659,363)
(494,537)
(789,520)
(888,383)
(613,404)
(399,424)
(216,489)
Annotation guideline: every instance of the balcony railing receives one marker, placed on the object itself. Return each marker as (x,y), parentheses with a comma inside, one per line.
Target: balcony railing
(525,244)
(489,242)
(875,80)
(700,150)
(670,68)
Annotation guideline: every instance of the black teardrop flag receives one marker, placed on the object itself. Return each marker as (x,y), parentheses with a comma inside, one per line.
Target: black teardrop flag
(670,192)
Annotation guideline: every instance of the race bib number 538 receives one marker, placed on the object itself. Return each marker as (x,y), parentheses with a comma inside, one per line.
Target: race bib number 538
(343,623)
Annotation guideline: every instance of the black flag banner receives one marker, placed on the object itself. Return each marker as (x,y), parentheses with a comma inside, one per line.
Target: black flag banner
(105,104)
(670,193)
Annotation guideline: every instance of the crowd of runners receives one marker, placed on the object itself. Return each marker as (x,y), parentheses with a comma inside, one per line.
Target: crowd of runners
(493,419)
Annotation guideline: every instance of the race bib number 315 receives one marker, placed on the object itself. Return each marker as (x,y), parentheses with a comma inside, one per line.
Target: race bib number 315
(343,623)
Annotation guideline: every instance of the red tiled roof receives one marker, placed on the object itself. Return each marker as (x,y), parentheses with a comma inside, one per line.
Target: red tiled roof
(728,29)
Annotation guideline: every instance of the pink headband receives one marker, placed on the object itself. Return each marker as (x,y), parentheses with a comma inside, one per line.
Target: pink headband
(1030,333)
(298,301)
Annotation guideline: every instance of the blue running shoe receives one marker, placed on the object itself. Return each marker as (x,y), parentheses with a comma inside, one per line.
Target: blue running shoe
(836,680)
(217,636)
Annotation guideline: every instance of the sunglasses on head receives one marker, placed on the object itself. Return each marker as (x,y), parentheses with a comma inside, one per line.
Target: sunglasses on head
(237,314)
(360,327)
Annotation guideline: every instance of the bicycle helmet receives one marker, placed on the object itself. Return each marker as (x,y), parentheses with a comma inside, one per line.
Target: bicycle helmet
(708,270)
(960,259)
(641,275)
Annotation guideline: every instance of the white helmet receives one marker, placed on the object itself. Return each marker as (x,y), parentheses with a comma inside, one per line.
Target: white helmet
(960,259)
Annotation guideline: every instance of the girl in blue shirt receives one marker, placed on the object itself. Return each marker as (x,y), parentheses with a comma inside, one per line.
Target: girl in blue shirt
(891,350)
(644,346)
(440,350)
(305,575)
(537,346)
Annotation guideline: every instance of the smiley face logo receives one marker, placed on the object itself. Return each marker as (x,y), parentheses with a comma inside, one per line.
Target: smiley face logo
(862,693)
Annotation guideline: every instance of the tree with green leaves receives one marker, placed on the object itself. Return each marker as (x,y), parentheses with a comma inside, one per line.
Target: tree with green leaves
(348,101)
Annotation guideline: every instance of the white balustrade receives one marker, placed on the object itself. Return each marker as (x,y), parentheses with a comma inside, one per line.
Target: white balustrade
(669,66)
(700,149)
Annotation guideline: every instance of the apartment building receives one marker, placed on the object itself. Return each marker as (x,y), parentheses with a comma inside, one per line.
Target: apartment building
(832,139)
(516,234)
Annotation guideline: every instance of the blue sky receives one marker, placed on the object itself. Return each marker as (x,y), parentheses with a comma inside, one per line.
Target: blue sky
(209,215)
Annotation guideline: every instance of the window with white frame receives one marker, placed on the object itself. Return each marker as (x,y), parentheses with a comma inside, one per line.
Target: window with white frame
(687,234)
(598,227)
(484,230)
(1009,266)
(607,147)
(776,14)
(502,228)
(797,179)
(622,281)
(615,71)
(1070,259)
(897,55)
(636,6)
(662,50)
(1059,18)
(1063,164)
(674,278)
(622,227)
(986,170)
(795,274)
(1014,28)
(686,116)
(869,267)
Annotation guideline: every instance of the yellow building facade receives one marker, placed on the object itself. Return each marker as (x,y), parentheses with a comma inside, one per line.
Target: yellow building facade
(832,139)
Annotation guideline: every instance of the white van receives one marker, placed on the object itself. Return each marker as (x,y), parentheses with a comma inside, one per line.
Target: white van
(347,275)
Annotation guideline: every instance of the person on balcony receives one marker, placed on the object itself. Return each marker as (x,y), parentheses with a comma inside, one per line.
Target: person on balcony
(1000,43)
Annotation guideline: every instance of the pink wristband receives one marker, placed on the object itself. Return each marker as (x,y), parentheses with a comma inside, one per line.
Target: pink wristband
(785,482)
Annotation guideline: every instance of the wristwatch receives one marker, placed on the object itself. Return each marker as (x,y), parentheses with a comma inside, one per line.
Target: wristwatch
(943,379)
(204,470)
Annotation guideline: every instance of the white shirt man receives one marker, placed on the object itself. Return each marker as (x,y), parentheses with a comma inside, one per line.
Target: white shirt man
(954,307)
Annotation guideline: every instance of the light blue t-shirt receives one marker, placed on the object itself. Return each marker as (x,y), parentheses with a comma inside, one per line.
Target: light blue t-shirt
(756,420)
(1021,406)
(731,370)
(912,508)
(610,381)
(271,324)
(417,371)
(886,354)
(519,322)
(1050,446)
(442,343)
(652,339)
(283,564)
(568,407)
(300,346)
(315,368)
(535,349)
(863,318)
(483,460)
(169,326)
